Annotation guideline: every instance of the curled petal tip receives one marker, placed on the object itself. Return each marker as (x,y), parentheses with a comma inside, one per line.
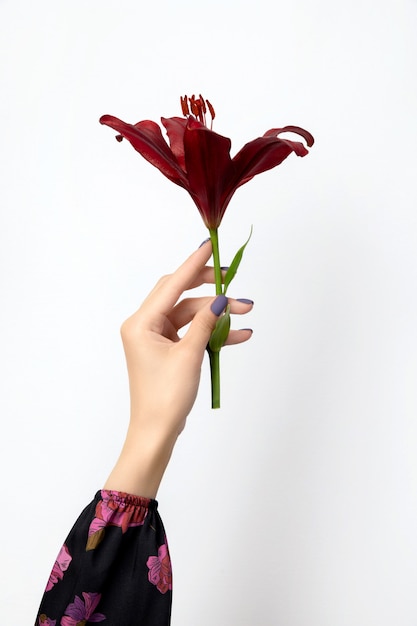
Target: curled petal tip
(308,137)
(107,119)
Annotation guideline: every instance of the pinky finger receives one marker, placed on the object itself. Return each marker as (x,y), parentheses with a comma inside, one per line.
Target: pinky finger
(238,336)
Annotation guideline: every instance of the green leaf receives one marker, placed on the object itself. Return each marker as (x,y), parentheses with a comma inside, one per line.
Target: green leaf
(231,272)
(220,332)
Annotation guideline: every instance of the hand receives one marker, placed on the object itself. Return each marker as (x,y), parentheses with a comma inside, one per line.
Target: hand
(164,369)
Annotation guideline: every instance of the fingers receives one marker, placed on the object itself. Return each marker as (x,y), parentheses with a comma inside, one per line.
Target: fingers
(202,325)
(204,319)
(191,273)
(238,336)
(206,275)
(185,311)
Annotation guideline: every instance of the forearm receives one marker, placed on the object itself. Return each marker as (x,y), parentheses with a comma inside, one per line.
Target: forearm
(142,462)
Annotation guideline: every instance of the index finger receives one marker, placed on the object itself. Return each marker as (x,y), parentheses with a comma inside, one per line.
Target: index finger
(169,289)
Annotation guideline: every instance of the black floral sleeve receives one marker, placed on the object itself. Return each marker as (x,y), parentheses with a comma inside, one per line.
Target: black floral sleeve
(114,567)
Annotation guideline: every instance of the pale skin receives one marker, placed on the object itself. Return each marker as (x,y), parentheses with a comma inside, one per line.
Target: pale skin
(164,371)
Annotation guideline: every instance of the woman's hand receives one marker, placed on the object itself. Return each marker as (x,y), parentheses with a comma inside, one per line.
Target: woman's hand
(164,369)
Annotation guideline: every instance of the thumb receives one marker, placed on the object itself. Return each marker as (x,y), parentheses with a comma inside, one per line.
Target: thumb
(203,324)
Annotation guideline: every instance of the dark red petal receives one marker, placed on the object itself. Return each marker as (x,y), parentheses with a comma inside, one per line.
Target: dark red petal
(175,127)
(208,163)
(268,151)
(146,137)
(257,156)
(274,132)
(263,154)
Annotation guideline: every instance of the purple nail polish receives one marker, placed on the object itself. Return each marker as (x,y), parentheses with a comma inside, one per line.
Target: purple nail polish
(249,329)
(245,300)
(203,242)
(224,268)
(219,305)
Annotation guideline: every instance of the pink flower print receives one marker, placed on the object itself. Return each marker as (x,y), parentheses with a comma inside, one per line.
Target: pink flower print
(45,621)
(82,611)
(114,510)
(60,566)
(160,573)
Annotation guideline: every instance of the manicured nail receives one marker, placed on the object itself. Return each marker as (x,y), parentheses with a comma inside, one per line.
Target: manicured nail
(219,305)
(203,242)
(224,268)
(245,301)
(249,329)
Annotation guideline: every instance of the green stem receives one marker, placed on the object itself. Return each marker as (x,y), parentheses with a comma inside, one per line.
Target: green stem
(216,260)
(215,378)
(215,356)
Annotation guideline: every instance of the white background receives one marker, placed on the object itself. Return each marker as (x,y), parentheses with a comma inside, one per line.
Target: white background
(295,504)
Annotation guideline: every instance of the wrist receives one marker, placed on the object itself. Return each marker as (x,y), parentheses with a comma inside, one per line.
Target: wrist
(142,462)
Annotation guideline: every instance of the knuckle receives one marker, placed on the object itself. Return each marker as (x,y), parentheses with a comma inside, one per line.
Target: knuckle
(204,322)
(164,279)
(125,330)
(129,330)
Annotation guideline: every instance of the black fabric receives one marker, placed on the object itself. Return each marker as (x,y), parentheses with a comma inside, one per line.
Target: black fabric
(114,567)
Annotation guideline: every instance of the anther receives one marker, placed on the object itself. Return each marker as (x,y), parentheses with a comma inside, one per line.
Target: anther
(210,108)
(203,104)
(184,106)
(195,110)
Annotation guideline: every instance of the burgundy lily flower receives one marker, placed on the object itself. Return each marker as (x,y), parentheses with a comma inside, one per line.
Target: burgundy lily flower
(198,159)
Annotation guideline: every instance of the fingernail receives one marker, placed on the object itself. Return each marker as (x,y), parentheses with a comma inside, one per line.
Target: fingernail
(219,305)
(245,300)
(249,329)
(224,268)
(203,242)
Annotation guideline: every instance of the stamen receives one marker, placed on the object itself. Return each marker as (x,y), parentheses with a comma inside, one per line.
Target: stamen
(184,106)
(203,104)
(212,113)
(198,110)
(210,108)
(197,107)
